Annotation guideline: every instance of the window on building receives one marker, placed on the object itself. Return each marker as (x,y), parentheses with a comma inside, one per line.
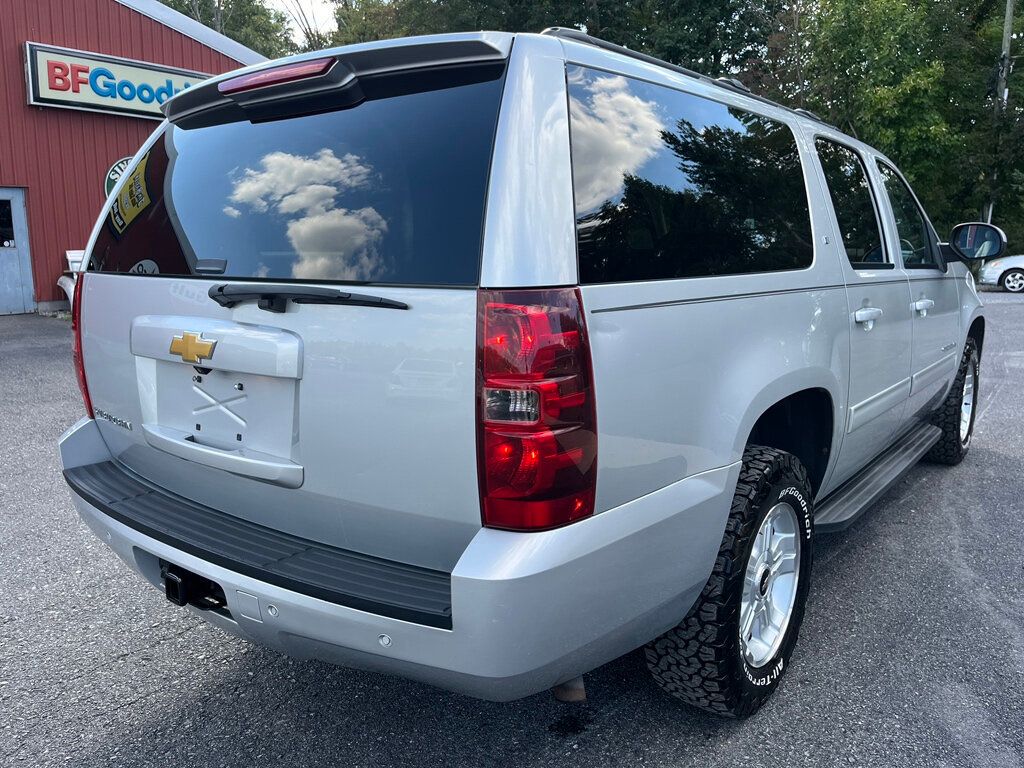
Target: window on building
(6,224)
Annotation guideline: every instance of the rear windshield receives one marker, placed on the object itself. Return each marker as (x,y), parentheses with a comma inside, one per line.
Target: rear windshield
(390,191)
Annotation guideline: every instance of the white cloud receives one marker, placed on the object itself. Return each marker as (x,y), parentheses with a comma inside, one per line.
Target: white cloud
(617,127)
(331,243)
(231,211)
(314,198)
(337,244)
(282,174)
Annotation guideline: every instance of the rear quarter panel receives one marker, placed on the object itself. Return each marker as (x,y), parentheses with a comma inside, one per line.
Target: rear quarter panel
(681,379)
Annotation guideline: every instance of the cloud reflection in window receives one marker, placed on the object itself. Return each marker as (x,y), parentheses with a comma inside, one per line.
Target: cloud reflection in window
(330,241)
(617,126)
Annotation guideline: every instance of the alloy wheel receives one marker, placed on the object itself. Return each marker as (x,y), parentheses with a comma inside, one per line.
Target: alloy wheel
(770,585)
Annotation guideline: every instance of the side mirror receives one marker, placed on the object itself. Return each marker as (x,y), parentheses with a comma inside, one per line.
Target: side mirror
(977,240)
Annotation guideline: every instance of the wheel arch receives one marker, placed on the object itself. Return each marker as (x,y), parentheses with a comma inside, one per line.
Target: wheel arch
(976,331)
(802,420)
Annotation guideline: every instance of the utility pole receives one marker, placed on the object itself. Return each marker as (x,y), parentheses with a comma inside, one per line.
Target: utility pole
(1002,94)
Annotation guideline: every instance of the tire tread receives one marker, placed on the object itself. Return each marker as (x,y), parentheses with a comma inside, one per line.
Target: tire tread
(949,450)
(697,661)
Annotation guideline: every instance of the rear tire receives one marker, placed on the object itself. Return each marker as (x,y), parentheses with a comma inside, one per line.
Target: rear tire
(1013,281)
(952,418)
(704,661)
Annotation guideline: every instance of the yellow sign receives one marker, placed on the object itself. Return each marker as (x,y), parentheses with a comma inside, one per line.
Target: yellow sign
(192,347)
(133,198)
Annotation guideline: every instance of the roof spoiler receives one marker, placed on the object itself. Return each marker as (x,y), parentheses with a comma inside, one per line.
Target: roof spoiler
(330,87)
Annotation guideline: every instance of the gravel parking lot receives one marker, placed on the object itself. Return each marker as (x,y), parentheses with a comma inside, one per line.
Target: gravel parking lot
(912,652)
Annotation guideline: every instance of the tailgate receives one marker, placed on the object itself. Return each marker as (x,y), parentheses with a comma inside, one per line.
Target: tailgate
(303,421)
(347,423)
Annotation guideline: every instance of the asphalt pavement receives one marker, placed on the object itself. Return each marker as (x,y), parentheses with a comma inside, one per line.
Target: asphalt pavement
(912,650)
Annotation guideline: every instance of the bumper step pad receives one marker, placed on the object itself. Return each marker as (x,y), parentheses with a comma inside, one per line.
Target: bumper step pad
(355,580)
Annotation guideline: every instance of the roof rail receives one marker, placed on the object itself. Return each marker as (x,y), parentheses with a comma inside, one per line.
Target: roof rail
(808,113)
(582,37)
(730,83)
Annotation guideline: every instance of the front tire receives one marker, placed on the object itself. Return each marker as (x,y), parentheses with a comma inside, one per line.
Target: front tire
(729,653)
(958,411)
(1013,281)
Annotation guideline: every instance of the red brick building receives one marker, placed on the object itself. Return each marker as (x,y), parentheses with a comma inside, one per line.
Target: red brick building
(80,88)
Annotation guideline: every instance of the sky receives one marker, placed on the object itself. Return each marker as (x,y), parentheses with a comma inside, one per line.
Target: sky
(322,11)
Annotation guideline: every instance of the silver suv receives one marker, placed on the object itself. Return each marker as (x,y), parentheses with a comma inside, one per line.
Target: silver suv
(483,359)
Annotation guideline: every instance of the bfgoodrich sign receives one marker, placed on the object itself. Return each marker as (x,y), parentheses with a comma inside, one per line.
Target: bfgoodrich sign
(64,77)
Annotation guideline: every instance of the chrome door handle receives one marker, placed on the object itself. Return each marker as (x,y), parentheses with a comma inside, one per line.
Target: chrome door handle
(867,316)
(923,305)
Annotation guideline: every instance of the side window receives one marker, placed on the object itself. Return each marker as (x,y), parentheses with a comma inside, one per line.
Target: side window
(916,244)
(670,185)
(848,187)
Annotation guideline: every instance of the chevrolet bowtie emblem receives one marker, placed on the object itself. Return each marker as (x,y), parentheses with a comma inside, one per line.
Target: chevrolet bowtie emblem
(192,347)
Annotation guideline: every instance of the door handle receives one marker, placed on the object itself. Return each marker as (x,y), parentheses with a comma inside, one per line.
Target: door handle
(923,305)
(867,316)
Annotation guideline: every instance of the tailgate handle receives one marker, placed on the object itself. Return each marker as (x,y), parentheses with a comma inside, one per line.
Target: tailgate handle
(275,299)
(259,466)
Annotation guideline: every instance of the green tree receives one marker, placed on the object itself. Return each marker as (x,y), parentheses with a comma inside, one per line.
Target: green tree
(712,36)
(914,78)
(252,23)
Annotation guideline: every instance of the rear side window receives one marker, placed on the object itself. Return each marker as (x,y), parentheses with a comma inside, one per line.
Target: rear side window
(671,185)
(389,191)
(852,201)
(916,247)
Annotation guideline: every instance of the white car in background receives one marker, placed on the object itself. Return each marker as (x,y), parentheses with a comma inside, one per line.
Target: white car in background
(1007,272)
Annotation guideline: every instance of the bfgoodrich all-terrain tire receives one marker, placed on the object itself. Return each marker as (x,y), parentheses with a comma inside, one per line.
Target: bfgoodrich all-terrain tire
(956,415)
(709,660)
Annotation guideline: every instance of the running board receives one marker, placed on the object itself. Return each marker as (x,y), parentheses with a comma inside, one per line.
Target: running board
(851,500)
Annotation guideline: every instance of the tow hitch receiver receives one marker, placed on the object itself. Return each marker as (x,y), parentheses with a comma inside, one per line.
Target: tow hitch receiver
(183,588)
(174,588)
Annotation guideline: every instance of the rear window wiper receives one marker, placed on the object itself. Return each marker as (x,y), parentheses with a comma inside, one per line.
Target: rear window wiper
(275,298)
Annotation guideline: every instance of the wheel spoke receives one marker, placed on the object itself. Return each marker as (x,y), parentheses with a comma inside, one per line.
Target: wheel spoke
(785,564)
(748,612)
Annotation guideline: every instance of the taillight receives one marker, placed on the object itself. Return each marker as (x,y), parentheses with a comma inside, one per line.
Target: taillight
(76,344)
(537,418)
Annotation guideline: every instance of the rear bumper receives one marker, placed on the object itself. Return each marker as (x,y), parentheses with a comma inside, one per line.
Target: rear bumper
(527,610)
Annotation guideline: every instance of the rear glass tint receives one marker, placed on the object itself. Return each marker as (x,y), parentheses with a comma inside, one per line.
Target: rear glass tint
(672,185)
(852,202)
(390,191)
